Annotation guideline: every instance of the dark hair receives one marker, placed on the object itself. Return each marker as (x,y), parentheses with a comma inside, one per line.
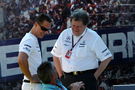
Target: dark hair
(43,17)
(80,15)
(45,72)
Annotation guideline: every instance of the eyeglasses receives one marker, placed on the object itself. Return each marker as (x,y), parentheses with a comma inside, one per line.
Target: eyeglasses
(43,28)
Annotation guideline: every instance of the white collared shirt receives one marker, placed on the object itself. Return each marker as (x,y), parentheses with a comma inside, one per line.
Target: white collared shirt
(29,45)
(85,55)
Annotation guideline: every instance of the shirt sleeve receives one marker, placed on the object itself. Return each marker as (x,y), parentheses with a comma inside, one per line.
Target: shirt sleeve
(56,51)
(26,47)
(101,50)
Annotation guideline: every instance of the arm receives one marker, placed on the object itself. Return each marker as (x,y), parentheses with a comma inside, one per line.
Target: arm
(57,65)
(102,67)
(24,66)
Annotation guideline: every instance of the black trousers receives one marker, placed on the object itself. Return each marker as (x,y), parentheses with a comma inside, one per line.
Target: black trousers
(88,78)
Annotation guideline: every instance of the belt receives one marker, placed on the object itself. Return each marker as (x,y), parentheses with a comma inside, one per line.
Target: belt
(27,81)
(81,72)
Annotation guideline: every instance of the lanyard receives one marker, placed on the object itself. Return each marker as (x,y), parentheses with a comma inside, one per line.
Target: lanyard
(73,45)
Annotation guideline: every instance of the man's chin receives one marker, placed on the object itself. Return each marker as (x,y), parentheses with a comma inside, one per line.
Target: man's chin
(40,37)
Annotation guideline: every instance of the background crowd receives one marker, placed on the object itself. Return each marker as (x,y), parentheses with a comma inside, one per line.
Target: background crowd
(19,16)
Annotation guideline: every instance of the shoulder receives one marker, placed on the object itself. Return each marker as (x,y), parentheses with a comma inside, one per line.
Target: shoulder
(60,84)
(65,33)
(27,39)
(91,33)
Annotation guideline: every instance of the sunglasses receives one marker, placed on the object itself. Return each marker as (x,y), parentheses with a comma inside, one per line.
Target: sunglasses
(43,28)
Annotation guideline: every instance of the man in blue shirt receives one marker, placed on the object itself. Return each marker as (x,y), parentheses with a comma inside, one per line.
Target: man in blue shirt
(49,78)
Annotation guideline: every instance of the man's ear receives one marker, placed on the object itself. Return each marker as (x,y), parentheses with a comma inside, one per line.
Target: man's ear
(36,25)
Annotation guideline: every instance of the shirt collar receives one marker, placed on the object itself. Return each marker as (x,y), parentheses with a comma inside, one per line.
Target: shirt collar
(81,34)
(33,36)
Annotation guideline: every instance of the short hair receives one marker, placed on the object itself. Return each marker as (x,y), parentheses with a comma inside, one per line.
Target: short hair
(43,17)
(45,72)
(80,15)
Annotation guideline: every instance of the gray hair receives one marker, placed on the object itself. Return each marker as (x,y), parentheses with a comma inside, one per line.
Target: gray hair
(80,15)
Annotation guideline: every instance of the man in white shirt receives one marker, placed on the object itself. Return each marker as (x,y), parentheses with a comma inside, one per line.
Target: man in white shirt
(77,53)
(29,57)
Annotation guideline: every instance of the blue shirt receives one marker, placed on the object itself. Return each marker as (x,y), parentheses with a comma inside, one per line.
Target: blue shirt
(53,87)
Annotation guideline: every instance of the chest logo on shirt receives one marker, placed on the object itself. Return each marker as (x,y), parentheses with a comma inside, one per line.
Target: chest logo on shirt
(82,44)
(68,39)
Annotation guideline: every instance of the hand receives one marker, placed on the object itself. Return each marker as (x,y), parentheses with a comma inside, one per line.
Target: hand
(35,79)
(77,85)
(96,77)
(60,75)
